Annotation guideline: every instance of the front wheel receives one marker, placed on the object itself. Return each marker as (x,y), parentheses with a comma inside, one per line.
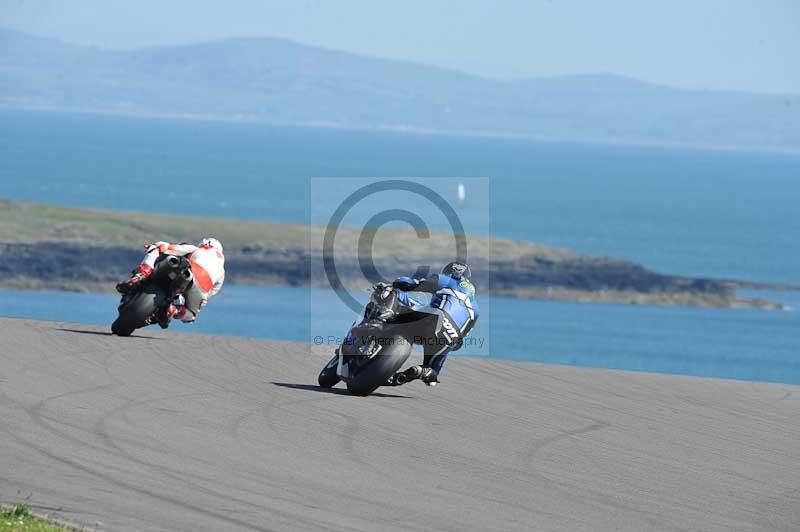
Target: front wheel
(137,310)
(379,370)
(328,377)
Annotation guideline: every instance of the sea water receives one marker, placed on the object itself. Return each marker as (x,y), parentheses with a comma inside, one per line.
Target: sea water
(731,343)
(706,213)
(718,214)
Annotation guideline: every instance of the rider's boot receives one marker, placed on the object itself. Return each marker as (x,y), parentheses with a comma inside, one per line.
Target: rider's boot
(429,376)
(139,274)
(431,366)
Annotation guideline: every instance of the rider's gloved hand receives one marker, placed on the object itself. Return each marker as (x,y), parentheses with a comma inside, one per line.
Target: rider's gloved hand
(406,284)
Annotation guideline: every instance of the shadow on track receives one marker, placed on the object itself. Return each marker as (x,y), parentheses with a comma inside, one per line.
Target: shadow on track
(103,333)
(335,391)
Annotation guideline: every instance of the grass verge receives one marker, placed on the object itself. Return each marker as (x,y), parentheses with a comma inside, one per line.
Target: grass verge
(20,519)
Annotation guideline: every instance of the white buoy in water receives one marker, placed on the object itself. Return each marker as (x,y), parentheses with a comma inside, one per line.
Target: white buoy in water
(461,192)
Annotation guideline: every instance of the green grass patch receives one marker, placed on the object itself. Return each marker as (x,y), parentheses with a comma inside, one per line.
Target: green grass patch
(38,222)
(20,519)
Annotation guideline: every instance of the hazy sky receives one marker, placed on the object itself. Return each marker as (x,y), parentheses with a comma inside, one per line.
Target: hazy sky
(730,44)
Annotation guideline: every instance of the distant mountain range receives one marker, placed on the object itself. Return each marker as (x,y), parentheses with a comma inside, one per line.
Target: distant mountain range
(273,80)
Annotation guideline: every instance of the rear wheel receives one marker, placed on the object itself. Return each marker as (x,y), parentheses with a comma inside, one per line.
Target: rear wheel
(328,377)
(137,310)
(386,363)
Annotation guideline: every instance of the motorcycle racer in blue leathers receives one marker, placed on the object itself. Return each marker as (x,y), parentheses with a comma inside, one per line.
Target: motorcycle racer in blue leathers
(453,297)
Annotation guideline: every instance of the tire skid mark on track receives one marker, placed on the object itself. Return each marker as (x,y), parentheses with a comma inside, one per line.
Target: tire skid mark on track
(187,424)
(131,487)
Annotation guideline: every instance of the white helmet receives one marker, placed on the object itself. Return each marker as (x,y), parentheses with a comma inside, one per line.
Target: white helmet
(211,243)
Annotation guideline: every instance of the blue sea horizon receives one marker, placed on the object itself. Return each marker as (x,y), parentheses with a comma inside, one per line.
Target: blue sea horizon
(723,215)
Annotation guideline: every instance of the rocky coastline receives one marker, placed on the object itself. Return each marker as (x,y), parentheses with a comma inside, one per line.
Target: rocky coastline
(47,247)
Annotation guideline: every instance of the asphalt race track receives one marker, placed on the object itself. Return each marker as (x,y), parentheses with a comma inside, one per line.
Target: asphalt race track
(168,431)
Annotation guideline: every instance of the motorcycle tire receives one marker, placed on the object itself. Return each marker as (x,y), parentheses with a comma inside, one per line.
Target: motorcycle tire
(136,311)
(380,369)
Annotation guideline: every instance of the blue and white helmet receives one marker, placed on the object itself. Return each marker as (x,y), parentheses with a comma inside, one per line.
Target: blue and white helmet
(457,270)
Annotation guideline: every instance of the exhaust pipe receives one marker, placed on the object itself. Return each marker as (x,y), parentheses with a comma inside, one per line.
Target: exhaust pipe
(177,270)
(408,375)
